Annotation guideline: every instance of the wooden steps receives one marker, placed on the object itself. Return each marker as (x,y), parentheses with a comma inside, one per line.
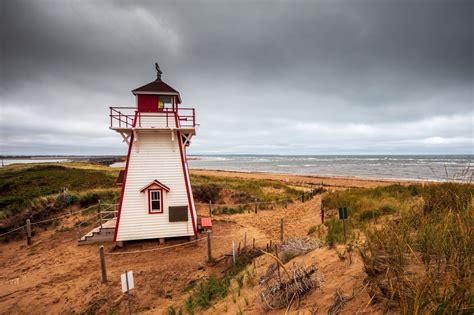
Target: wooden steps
(104,233)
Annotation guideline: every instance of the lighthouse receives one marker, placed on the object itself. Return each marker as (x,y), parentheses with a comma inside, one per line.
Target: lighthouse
(156,200)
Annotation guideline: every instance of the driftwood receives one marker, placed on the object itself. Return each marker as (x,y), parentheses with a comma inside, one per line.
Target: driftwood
(283,292)
(339,301)
(298,246)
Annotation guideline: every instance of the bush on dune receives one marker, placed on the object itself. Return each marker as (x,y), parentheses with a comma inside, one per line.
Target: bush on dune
(207,192)
(244,190)
(228,210)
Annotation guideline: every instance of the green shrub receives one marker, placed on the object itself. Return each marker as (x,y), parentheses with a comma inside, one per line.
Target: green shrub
(189,306)
(204,292)
(319,191)
(171,311)
(88,199)
(208,290)
(335,234)
(313,229)
(414,190)
(207,192)
(372,214)
(229,210)
(246,190)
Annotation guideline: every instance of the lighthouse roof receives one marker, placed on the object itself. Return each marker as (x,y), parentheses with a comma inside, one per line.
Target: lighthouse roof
(157,87)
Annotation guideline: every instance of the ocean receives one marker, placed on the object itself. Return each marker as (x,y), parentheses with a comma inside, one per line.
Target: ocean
(405,167)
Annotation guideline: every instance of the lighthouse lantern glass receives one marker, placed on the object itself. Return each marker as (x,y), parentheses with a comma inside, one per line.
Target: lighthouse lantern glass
(164,101)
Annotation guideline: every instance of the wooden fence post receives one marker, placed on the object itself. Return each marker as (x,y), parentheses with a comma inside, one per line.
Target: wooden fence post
(102,264)
(253,243)
(278,265)
(209,246)
(281,230)
(322,211)
(233,253)
(245,239)
(210,208)
(256,205)
(28,231)
(100,214)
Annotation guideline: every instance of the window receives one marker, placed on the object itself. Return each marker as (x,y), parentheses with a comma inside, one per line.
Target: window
(164,101)
(155,201)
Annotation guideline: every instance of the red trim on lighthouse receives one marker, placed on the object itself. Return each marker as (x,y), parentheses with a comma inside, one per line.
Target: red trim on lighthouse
(125,173)
(155,183)
(188,190)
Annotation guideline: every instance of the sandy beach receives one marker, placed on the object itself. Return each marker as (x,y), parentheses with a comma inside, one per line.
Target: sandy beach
(334,182)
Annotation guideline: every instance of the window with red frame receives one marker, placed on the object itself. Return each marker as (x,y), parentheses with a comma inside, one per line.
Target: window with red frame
(156,201)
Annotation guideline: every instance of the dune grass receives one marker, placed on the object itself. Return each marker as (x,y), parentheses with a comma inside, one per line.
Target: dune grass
(21,185)
(422,261)
(246,190)
(418,259)
(208,290)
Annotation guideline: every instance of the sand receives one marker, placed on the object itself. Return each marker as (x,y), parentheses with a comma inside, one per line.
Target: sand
(334,182)
(57,276)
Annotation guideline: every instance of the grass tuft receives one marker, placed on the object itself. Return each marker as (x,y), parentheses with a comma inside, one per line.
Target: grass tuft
(421,262)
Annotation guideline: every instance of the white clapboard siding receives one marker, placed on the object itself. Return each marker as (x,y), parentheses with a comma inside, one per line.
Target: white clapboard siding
(154,156)
(157,120)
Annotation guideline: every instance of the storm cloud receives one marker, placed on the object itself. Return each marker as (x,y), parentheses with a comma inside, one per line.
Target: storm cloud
(289,77)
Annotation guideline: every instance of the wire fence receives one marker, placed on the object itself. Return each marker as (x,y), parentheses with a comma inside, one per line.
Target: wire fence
(110,206)
(252,203)
(256,235)
(11,231)
(106,208)
(49,220)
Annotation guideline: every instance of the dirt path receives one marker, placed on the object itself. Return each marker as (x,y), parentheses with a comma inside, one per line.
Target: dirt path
(297,219)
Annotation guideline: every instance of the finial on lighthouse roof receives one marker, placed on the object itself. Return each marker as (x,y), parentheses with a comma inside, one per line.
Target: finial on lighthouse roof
(158,72)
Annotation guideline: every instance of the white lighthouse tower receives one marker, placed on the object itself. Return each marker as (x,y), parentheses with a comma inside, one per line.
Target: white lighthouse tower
(156,199)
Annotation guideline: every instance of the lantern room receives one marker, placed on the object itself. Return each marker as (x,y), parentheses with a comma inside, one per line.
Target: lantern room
(157,107)
(157,96)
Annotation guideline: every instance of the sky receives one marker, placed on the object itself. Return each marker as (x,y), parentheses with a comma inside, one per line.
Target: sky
(265,77)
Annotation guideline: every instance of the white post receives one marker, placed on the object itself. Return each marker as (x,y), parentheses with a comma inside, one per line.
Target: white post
(233,253)
(128,295)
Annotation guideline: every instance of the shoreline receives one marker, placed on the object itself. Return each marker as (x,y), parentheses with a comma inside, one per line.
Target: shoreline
(329,181)
(324,179)
(327,176)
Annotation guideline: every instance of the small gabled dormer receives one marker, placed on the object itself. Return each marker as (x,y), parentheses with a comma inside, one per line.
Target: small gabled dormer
(155,194)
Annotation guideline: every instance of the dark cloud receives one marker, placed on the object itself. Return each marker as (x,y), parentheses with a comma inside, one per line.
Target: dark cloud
(266,77)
